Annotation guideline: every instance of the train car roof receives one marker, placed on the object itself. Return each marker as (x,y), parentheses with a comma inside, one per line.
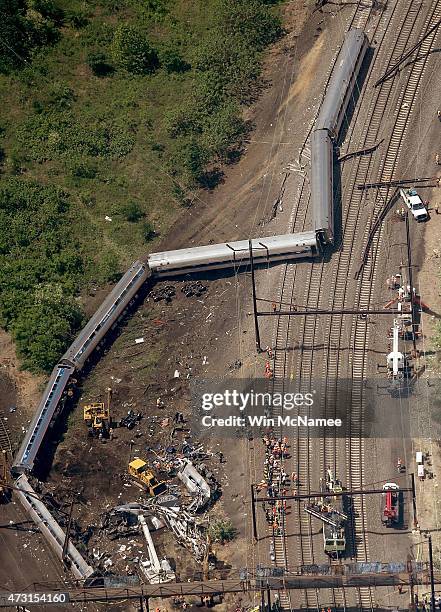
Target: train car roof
(239,246)
(341,75)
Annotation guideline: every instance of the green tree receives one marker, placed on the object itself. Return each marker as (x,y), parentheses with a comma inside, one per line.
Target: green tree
(14,35)
(189,160)
(43,331)
(251,21)
(132,51)
(223,131)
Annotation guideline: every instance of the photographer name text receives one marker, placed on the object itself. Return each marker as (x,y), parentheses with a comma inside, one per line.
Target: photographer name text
(264,421)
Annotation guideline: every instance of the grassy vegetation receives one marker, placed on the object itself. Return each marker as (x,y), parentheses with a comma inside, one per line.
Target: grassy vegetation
(222,531)
(116,109)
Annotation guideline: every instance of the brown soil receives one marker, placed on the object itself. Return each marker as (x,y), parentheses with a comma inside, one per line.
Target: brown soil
(19,390)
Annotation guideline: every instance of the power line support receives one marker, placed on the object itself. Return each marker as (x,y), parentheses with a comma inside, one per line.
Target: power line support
(343,311)
(415,519)
(432,578)
(404,57)
(253,281)
(253,513)
(268,596)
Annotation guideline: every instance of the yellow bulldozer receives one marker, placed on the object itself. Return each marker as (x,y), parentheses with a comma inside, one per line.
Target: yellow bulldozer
(140,470)
(97,417)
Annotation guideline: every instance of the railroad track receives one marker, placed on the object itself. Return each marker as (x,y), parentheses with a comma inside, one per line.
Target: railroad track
(359,330)
(5,442)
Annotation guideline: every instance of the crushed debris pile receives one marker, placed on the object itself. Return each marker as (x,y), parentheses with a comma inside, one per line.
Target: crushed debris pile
(130,420)
(165,292)
(195,289)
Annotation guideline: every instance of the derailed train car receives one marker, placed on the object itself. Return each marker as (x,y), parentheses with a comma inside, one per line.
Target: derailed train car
(74,359)
(233,254)
(327,128)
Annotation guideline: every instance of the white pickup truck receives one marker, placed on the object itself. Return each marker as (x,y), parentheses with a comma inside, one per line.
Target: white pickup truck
(415,204)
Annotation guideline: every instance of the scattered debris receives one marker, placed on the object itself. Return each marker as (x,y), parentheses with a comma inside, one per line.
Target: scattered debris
(196,484)
(156,571)
(193,289)
(167,293)
(130,420)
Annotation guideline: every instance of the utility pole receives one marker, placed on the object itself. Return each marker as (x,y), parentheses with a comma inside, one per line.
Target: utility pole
(432,578)
(415,519)
(262,600)
(253,513)
(253,281)
(268,595)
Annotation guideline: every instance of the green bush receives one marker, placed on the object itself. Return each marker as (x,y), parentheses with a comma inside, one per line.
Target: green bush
(108,268)
(77,19)
(51,135)
(190,160)
(82,168)
(148,231)
(170,58)
(99,65)
(132,211)
(223,131)
(249,21)
(157,9)
(132,51)
(184,120)
(41,269)
(222,531)
(43,330)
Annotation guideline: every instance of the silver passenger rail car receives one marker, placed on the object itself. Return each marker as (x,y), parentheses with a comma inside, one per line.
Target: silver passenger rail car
(50,529)
(322,185)
(74,359)
(25,458)
(341,84)
(327,128)
(233,254)
(107,314)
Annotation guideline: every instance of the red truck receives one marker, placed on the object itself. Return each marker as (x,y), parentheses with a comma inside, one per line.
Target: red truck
(390,515)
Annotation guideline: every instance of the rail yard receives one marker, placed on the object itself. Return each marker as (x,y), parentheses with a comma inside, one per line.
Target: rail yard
(332,287)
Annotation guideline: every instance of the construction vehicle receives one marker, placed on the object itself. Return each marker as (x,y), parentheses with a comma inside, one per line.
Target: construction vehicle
(140,470)
(97,417)
(5,490)
(398,367)
(390,515)
(329,510)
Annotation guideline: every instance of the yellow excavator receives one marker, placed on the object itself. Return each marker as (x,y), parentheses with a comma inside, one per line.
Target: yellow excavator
(140,470)
(97,417)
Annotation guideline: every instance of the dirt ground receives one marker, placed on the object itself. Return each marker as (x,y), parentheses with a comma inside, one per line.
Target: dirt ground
(19,390)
